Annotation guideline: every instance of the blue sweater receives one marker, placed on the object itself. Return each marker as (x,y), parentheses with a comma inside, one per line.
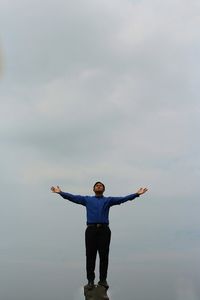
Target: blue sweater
(97,207)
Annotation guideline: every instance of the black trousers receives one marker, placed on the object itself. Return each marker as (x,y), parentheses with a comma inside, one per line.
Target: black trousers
(97,239)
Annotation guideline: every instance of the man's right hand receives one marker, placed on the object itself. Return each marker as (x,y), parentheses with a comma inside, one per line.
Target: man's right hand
(55,189)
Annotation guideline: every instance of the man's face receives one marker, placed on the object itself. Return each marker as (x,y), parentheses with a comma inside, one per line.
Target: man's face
(99,188)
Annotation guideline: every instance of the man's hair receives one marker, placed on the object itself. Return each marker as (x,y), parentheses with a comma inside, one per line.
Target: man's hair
(100,183)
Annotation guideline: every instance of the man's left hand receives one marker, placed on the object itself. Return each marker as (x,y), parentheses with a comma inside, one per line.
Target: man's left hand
(142,191)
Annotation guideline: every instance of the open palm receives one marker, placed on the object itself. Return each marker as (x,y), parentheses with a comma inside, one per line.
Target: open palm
(55,189)
(142,191)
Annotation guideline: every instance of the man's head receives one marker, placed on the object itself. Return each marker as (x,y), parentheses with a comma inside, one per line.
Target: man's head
(99,188)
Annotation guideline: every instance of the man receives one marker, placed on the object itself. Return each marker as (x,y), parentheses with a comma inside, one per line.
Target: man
(97,234)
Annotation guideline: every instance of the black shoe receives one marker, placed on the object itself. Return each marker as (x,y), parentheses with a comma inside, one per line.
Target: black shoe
(90,284)
(103,283)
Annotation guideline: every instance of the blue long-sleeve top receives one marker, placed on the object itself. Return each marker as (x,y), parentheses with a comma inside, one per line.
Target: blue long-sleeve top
(97,207)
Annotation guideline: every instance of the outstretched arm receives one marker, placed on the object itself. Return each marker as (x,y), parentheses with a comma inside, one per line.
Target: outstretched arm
(73,198)
(119,200)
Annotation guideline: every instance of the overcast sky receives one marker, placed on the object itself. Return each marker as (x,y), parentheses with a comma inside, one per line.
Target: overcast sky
(100,90)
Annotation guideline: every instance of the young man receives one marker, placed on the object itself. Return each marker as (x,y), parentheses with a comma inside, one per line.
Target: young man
(97,234)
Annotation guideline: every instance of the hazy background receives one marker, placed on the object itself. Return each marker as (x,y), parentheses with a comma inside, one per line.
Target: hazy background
(100,90)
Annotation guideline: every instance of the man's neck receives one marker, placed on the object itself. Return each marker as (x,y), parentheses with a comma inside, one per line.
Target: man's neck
(98,194)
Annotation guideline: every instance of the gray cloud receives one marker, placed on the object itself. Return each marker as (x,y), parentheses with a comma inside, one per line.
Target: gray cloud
(100,91)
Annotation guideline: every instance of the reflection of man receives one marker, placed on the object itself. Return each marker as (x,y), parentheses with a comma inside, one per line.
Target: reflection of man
(97,234)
